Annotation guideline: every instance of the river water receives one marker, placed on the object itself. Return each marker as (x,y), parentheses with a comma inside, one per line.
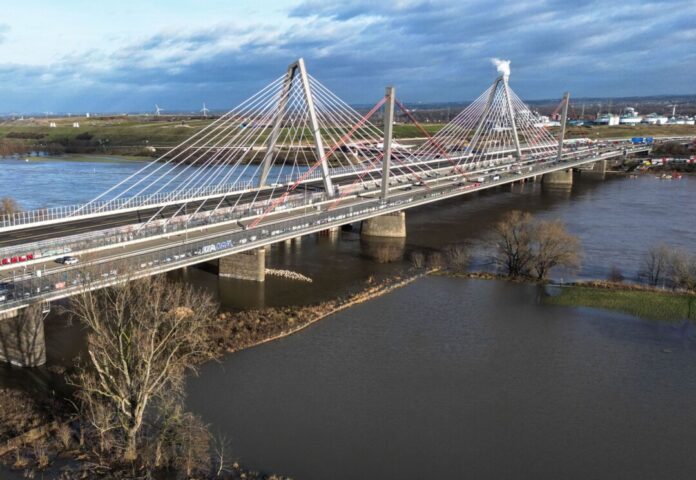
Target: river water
(446,378)
(451,378)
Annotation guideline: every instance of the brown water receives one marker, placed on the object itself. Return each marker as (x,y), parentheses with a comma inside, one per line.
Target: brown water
(452,378)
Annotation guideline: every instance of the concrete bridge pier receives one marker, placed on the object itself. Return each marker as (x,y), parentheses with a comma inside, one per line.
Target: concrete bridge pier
(22,341)
(560,177)
(249,265)
(599,170)
(389,225)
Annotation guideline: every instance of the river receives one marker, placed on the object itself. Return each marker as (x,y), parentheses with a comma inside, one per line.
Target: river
(451,378)
(446,377)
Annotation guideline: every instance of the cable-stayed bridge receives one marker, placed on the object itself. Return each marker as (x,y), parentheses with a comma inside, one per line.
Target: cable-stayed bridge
(291,160)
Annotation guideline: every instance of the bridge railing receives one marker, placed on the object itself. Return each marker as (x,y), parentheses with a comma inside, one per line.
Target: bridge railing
(129,233)
(67,211)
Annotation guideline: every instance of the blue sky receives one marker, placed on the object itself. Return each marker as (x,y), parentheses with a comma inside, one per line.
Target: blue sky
(126,55)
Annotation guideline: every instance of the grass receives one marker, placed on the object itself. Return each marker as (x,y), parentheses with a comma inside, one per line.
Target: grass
(132,132)
(648,304)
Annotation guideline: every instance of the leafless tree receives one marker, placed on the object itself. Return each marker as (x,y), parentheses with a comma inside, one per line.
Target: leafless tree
(417,259)
(513,237)
(221,451)
(8,206)
(142,336)
(655,265)
(615,275)
(682,270)
(552,246)
(457,257)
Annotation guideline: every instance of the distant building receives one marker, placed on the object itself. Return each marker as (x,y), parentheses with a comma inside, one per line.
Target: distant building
(655,119)
(52,125)
(544,121)
(607,119)
(76,124)
(630,117)
(682,120)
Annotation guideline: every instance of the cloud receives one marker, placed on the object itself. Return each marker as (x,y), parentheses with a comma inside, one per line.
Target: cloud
(436,50)
(3,32)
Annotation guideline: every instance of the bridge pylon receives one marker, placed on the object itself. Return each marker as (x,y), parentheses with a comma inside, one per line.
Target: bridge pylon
(297,72)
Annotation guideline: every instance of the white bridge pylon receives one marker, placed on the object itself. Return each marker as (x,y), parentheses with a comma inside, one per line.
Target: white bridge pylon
(496,127)
(291,132)
(294,133)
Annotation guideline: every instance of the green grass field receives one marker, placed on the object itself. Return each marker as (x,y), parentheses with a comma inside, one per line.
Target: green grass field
(641,303)
(115,134)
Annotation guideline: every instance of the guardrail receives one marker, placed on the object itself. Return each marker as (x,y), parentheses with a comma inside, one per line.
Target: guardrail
(56,213)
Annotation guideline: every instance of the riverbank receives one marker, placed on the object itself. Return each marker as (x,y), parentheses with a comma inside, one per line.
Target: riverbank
(640,301)
(34,438)
(250,328)
(651,303)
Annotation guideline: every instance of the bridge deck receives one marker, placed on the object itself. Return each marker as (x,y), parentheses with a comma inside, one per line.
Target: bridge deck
(168,251)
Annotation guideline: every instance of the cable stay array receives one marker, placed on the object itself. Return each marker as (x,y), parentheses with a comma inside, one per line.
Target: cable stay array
(293,133)
(496,128)
(295,142)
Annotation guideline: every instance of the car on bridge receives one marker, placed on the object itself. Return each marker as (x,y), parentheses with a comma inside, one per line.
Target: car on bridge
(67,260)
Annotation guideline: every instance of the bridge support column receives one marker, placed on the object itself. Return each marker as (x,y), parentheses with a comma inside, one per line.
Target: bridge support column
(391,225)
(560,177)
(22,341)
(599,169)
(249,265)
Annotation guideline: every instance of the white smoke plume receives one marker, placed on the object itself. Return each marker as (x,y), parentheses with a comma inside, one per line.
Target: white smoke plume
(503,66)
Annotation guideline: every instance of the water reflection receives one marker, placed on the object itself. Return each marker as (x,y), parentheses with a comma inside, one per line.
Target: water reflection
(383,249)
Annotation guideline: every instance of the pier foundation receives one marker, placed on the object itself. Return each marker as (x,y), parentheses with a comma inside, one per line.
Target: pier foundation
(599,170)
(249,265)
(560,177)
(390,225)
(22,341)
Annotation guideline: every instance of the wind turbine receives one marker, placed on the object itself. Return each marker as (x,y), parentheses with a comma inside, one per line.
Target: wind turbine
(205,111)
(158,110)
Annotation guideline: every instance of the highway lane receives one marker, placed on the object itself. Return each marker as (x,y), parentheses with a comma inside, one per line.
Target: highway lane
(114,262)
(233,225)
(80,225)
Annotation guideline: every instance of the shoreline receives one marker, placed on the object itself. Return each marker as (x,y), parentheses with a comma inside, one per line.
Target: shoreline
(643,301)
(284,322)
(243,330)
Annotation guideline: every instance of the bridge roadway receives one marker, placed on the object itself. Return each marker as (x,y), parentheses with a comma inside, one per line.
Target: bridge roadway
(169,252)
(40,231)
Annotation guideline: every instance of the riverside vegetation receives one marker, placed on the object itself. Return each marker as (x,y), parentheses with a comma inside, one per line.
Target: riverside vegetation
(125,417)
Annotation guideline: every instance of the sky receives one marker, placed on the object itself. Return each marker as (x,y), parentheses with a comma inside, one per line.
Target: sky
(126,55)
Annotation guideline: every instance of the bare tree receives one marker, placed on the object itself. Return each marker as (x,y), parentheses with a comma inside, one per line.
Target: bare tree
(615,275)
(513,238)
(417,259)
(8,206)
(682,270)
(142,337)
(552,246)
(655,265)
(457,257)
